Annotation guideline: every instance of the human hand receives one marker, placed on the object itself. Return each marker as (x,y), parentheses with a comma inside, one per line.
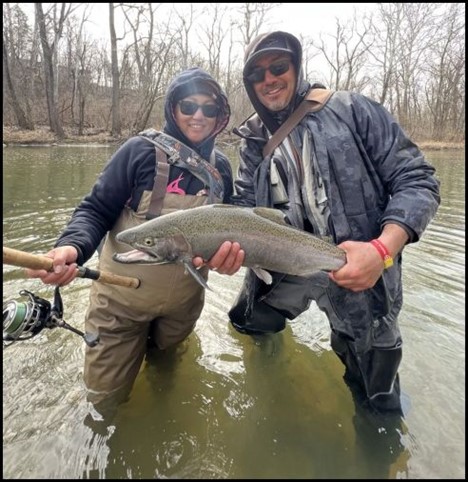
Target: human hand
(64,267)
(363,268)
(227,260)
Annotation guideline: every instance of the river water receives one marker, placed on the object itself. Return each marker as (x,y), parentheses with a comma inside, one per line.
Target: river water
(226,405)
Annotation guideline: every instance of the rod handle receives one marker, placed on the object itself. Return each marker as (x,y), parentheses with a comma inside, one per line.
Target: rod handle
(22,259)
(26,260)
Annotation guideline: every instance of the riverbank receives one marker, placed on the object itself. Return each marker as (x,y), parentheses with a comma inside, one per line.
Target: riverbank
(42,136)
(13,136)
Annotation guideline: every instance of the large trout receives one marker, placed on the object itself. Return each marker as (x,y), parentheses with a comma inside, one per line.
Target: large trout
(268,241)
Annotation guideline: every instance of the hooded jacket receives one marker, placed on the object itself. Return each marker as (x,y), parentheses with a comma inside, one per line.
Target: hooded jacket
(287,44)
(131,170)
(371,173)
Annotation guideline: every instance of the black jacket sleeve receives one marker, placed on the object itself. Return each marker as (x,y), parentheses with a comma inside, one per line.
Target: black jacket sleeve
(99,210)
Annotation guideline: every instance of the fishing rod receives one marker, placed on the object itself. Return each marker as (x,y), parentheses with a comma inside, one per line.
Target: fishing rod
(26,319)
(34,261)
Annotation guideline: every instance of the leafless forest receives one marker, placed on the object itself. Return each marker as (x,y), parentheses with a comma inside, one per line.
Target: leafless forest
(408,56)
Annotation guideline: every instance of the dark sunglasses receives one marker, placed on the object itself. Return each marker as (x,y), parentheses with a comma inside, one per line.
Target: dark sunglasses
(257,74)
(187,107)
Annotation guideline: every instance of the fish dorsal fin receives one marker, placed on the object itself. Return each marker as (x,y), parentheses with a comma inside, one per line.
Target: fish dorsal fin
(271,214)
(219,206)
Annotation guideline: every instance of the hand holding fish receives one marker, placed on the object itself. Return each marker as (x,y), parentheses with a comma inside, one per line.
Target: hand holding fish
(363,268)
(364,263)
(227,260)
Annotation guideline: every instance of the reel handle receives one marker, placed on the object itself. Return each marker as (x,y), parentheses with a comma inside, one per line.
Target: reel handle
(22,259)
(90,339)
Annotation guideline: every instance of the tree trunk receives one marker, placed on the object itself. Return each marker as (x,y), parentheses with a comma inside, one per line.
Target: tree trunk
(116,123)
(47,58)
(23,121)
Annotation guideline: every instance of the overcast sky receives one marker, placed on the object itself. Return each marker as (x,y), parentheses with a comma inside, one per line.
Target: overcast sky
(305,18)
(296,18)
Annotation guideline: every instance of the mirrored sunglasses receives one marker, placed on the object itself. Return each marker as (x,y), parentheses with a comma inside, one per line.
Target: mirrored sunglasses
(187,107)
(257,74)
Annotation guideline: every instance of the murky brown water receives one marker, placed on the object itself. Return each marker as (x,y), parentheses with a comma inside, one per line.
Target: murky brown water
(226,405)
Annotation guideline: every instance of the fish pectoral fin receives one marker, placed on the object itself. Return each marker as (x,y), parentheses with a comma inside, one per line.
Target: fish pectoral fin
(190,268)
(264,275)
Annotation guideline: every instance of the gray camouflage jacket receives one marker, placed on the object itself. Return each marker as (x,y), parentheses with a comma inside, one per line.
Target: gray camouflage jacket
(372,175)
(372,172)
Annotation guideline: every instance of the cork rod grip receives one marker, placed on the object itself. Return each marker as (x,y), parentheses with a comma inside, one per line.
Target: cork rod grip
(22,259)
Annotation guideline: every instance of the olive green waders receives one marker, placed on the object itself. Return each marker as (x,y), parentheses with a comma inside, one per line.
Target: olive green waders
(165,307)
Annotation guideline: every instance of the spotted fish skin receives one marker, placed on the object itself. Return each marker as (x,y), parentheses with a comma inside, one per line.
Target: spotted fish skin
(268,241)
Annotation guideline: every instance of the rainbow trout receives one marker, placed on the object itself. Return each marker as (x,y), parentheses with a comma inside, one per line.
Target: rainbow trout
(268,241)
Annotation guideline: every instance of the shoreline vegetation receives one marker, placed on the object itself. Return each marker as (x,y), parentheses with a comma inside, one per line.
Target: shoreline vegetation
(43,136)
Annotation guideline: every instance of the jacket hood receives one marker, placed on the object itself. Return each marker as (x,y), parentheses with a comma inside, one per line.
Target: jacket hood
(195,81)
(269,43)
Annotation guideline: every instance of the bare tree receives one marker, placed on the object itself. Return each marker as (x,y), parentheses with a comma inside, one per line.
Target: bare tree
(309,52)
(347,54)
(445,89)
(77,58)
(151,51)
(415,38)
(253,18)
(213,38)
(51,25)
(386,51)
(116,129)
(23,121)
(9,50)
(184,26)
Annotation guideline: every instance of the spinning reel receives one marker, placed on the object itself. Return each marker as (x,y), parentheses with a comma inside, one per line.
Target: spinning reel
(24,320)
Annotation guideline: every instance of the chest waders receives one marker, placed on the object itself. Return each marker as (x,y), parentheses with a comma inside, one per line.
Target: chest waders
(165,307)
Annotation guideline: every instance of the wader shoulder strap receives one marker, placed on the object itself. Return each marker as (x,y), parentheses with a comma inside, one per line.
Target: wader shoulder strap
(313,102)
(160,184)
(183,156)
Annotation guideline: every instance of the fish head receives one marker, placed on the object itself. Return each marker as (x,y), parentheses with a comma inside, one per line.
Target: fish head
(156,247)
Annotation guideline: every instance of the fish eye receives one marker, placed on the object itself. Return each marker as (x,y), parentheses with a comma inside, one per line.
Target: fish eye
(148,241)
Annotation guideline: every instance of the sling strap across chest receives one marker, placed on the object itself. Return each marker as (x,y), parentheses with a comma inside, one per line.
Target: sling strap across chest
(313,102)
(171,151)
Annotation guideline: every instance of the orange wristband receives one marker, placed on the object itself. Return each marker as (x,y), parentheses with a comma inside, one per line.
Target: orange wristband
(383,251)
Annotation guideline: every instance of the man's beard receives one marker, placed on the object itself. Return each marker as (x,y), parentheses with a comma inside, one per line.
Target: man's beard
(277,105)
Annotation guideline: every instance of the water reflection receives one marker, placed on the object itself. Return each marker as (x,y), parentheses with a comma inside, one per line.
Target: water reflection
(225,405)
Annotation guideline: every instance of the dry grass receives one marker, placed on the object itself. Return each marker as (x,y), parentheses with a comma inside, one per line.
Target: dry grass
(439,145)
(43,136)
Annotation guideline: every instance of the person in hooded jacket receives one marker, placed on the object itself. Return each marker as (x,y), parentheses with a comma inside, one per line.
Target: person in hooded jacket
(348,173)
(166,306)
